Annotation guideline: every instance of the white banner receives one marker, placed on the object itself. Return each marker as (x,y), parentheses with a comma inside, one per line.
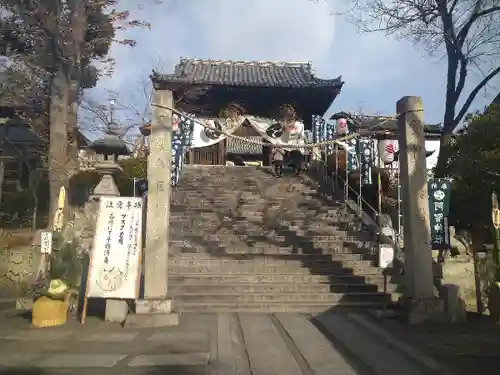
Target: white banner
(203,137)
(275,133)
(269,129)
(116,255)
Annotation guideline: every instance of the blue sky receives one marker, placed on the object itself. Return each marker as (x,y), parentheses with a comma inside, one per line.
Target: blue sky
(377,70)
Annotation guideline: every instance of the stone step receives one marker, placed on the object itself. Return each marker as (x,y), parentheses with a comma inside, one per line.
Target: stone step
(201,229)
(359,268)
(174,289)
(232,238)
(257,204)
(263,248)
(259,247)
(265,258)
(253,278)
(260,237)
(233,250)
(233,220)
(299,237)
(235,234)
(277,307)
(279,297)
(236,264)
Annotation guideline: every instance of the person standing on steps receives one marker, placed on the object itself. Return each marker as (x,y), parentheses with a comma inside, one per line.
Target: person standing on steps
(278,154)
(297,160)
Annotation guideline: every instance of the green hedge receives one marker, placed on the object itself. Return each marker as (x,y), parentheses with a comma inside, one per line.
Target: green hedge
(86,181)
(17,206)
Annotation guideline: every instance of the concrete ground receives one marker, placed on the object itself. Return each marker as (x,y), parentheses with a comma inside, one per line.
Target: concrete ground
(210,344)
(464,348)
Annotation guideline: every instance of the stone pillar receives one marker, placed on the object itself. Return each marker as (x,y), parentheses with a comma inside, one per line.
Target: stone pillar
(116,309)
(419,281)
(155,309)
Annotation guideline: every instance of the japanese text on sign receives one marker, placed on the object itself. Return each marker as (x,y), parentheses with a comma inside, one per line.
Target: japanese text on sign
(46,243)
(116,254)
(439,197)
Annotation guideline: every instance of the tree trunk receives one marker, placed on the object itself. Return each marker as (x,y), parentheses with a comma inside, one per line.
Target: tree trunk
(73,121)
(477,241)
(445,153)
(449,124)
(2,174)
(451,95)
(58,139)
(73,105)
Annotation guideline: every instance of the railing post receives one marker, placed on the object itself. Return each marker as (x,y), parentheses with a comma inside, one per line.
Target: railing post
(346,182)
(360,198)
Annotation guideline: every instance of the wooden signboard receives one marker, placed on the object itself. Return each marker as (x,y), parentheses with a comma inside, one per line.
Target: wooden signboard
(115,261)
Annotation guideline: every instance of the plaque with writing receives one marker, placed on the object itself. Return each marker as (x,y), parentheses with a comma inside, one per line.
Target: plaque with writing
(439,204)
(114,269)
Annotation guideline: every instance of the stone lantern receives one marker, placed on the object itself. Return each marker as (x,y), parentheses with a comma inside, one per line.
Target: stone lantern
(110,146)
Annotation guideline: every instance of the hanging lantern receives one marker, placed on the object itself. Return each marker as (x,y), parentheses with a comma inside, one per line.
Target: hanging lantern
(386,150)
(342,126)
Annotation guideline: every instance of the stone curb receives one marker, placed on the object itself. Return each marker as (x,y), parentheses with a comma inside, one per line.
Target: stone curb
(401,346)
(7,303)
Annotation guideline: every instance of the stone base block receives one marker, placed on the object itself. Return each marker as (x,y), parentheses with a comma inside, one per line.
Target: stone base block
(152,320)
(153,314)
(116,310)
(454,305)
(149,306)
(425,310)
(24,304)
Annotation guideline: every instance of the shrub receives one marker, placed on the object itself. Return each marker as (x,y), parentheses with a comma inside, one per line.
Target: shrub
(83,183)
(10,239)
(65,264)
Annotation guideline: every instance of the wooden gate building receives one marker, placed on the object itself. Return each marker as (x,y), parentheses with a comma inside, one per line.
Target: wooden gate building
(205,87)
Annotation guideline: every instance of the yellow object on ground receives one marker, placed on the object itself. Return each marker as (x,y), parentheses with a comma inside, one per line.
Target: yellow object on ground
(48,312)
(52,308)
(57,287)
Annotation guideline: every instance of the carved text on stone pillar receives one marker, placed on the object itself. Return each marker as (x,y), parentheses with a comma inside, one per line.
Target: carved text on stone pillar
(160,163)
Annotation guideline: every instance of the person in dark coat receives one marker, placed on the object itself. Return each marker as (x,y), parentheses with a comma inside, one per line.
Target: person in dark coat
(278,155)
(297,160)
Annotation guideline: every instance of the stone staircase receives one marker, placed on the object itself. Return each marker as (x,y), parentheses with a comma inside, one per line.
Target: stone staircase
(245,241)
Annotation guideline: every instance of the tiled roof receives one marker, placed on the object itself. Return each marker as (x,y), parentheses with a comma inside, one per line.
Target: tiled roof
(383,123)
(17,133)
(245,73)
(496,100)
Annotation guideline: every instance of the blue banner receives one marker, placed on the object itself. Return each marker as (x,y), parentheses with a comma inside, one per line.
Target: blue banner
(318,128)
(439,207)
(330,134)
(365,152)
(182,134)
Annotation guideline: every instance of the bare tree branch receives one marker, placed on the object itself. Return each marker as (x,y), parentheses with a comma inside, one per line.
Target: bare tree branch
(467,31)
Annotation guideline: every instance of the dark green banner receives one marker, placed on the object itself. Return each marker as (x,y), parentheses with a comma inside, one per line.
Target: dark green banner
(439,207)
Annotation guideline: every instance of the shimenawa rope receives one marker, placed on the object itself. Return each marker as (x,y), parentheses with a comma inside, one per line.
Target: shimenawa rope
(251,141)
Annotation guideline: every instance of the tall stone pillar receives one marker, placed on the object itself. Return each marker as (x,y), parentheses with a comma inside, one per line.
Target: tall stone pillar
(155,309)
(422,303)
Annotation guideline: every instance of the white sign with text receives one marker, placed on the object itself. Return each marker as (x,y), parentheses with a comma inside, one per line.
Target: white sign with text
(116,255)
(385,256)
(46,243)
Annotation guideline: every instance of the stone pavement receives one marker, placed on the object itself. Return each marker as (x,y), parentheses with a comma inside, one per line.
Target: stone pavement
(209,344)
(464,348)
